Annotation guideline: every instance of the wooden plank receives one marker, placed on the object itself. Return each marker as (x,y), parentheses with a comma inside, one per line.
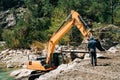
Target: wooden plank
(74,51)
(80,51)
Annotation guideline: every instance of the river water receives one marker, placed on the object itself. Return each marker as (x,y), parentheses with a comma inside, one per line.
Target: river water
(4,74)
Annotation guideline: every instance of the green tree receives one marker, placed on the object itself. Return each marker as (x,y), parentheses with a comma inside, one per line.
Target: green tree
(58,16)
(9,38)
(116,16)
(32,26)
(43,17)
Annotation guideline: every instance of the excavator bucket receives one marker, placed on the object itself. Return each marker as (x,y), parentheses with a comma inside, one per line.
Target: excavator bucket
(99,46)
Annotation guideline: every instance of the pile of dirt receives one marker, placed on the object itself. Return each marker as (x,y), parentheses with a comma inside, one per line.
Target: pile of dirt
(108,68)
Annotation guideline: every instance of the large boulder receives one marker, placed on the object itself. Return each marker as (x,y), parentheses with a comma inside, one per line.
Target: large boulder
(109,36)
(114,49)
(8,17)
(21,73)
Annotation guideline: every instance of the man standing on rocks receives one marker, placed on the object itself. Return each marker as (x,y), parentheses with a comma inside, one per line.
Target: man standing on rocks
(92,44)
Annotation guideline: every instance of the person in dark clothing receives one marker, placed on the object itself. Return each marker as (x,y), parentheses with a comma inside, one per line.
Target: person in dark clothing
(92,44)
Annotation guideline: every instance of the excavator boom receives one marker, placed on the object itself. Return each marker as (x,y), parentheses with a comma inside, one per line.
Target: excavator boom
(73,19)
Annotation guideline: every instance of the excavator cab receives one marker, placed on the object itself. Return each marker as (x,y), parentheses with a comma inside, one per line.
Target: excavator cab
(57,59)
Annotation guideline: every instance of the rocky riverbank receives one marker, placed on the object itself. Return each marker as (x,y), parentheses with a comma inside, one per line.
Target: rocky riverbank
(11,59)
(108,68)
(4,74)
(16,58)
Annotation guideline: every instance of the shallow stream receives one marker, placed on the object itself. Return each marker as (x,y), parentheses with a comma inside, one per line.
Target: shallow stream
(4,74)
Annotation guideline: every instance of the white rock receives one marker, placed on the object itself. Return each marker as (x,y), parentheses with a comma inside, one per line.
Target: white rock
(118,46)
(33,57)
(15,73)
(99,55)
(61,68)
(77,60)
(11,51)
(11,20)
(24,73)
(19,52)
(20,73)
(113,50)
(44,52)
(87,56)
(5,51)
(24,66)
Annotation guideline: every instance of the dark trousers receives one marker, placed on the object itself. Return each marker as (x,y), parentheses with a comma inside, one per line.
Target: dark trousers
(93,58)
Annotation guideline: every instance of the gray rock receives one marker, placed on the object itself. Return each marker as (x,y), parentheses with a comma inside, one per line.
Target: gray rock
(109,36)
(62,68)
(87,56)
(113,50)
(9,65)
(18,74)
(10,20)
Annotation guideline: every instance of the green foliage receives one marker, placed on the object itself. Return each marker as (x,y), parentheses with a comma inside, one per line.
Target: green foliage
(31,26)
(0,33)
(54,2)
(37,45)
(55,23)
(76,36)
(1,48)
(8,37)
(117,16)
(43,18)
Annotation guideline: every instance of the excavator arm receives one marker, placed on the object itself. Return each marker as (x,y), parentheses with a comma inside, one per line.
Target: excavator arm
(73,19)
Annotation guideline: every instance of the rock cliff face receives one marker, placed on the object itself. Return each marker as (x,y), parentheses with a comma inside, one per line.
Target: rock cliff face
(9,17)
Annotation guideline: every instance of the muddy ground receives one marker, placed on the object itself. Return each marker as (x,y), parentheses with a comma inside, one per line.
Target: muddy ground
(108,68)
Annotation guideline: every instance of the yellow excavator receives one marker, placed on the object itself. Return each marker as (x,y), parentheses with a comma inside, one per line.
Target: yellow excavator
(52,59)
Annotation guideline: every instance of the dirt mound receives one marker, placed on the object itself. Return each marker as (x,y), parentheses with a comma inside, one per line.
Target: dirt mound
(108,69)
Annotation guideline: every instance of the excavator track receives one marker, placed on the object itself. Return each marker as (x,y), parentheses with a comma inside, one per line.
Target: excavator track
(35,74)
